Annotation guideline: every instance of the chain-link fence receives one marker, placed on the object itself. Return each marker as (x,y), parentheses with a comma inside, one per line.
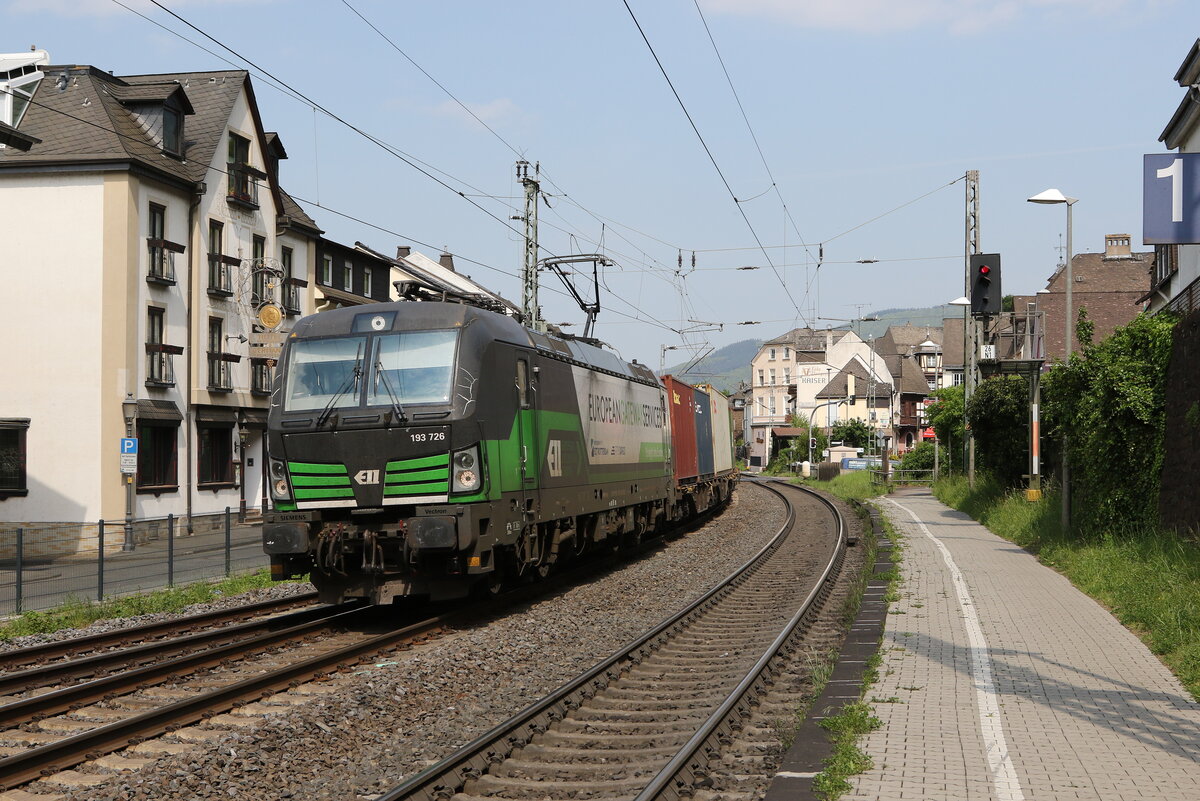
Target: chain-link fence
(44,565)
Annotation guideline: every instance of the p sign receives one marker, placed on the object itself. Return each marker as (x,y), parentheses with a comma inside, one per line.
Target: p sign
(1171,199)
(129,454)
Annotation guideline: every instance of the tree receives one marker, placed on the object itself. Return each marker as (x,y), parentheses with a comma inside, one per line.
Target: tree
(919,458)
(945,414)
(999,416)
(854,433)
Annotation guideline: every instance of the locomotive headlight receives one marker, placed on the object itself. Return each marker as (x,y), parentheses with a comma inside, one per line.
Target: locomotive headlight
(464,468)
(280,489)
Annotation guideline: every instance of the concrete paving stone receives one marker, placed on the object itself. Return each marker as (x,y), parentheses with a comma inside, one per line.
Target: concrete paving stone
(1084,709)
(74,778)
(159,746)
(118,762)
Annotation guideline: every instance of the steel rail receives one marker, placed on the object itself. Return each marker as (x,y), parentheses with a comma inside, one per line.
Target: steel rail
(57,672)
(62,754)
(447,777)
(679,777)
(78,695)
(51,650)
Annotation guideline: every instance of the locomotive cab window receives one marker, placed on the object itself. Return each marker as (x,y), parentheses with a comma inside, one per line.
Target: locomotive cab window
(324,373)
(523,383)
(412,367)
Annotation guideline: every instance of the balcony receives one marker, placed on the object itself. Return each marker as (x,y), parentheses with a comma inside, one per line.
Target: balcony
(220,371)
(260,377)
(243,186)
(291,295)
(160,366)
(220,275)
(162,261)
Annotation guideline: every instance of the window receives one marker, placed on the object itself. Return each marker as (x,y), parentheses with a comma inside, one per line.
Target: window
(172,130)
(220,278)
(366,287)
(348,276)
(772,404)
(958,379)
(787,353)
(327,270)
(219,377)
(242,186)
(158,363)
(787,375)
(291,291)
(1166,261)
(157,468)
(417,367)
(13,456)
(772,373)
(215,465)
(260,377)
(761,381)
(162,260)
(771,354)
(259,290)
(17,87)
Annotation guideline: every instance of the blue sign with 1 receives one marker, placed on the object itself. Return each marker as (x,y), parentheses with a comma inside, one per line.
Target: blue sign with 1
(1171,199)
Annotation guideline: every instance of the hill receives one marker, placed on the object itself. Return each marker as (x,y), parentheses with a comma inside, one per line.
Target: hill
(931,316)
(724,368)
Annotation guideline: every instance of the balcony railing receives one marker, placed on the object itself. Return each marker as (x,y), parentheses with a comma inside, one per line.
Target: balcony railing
(220,275)
(160,366)
(220,371)
(243,185)
(291,295)
(260,377)
(162,261)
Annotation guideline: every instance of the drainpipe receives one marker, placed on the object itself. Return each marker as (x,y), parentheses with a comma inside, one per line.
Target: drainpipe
(198,195)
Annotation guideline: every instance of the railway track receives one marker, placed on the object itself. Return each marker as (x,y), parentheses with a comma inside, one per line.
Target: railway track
(61,713)
(648,722)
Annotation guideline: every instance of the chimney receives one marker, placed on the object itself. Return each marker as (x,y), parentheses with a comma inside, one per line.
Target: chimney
(1116,246)
(850,385)
(828,342)
(403,251)
(446,260)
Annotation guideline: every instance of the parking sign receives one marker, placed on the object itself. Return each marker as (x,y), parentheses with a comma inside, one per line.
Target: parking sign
(129,454)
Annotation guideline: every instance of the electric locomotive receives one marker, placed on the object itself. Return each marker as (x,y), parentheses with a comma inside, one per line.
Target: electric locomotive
(431,448)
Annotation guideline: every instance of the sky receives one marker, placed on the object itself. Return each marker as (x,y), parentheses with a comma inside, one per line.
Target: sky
(821,142)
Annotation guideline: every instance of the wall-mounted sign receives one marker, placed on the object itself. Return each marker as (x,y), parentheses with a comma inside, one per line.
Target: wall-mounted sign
(1171,199)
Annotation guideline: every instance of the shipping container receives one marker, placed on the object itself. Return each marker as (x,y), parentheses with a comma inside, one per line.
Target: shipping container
(722,428)
(704,433)
(681,402)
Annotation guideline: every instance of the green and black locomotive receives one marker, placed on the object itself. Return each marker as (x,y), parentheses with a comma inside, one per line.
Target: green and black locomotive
(428,448)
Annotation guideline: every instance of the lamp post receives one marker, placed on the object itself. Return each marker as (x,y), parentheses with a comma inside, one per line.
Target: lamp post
(129,409)
(1055,196)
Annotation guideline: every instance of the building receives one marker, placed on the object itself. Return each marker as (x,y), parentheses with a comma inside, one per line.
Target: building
(1109,285)
(914,354)
(822,375)
(154,265)
(1175,277)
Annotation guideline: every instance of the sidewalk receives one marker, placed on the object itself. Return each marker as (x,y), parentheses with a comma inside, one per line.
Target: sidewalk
(1001,681)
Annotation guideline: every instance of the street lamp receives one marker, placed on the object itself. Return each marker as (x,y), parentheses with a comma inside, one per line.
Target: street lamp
(129,409)
(1055,196)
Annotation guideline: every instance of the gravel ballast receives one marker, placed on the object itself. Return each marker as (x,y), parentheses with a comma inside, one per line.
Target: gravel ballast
(388,721)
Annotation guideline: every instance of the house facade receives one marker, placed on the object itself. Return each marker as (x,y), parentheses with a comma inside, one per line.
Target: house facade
(154,266)
(826,375)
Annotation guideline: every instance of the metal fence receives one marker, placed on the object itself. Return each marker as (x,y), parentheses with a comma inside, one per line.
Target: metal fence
(46,565)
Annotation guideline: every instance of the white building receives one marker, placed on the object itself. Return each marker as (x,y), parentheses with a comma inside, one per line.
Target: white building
(823,375)
(149,255)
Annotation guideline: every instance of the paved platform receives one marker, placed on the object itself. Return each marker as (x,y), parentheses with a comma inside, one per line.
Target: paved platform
(1001,681)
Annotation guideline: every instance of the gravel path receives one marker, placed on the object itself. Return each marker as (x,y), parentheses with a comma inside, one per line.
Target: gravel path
(388,721)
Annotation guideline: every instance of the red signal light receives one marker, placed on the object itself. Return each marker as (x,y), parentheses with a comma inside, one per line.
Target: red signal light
(984,269)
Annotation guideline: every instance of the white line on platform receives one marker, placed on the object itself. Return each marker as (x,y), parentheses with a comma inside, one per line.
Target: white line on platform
(1004,774)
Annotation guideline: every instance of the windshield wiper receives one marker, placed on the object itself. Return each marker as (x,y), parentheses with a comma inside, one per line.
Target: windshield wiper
(387,383)
(352,381)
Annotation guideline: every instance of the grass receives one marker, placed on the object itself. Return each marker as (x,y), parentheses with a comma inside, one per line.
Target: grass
(74,614)
(847,758)
(1149,579)
(852,485)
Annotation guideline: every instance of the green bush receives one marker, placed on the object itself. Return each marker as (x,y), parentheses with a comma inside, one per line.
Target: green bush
(919,458)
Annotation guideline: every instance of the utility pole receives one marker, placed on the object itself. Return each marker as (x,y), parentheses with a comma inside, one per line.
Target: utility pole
(529,277)
(970,328)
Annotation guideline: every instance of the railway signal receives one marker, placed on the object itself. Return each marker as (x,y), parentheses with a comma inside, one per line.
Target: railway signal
(985,283)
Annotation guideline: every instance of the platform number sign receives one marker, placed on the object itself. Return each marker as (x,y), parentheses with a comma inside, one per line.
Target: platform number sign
(129,454)
(1171,199)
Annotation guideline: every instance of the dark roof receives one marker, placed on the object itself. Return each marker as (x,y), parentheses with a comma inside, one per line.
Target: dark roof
(836,388)
(804,339)
(152,93)
(904,339)
(297,216)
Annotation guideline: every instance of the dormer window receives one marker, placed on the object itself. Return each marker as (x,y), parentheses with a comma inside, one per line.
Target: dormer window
(243,179)
(172,131)
(17,86)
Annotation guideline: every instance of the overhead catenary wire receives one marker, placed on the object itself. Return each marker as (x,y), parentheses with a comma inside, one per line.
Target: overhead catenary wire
(711,157)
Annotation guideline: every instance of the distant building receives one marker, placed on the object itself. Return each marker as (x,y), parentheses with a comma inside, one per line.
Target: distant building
(826,375)
(1109,285)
